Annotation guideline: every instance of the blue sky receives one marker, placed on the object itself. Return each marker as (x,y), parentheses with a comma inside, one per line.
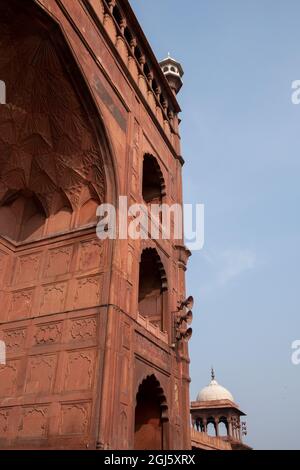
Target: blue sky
(241,141)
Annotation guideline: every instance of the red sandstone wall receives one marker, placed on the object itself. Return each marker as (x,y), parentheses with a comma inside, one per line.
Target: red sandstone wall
(75,367)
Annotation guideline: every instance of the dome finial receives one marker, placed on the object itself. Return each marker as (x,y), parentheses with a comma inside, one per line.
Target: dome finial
(214,391)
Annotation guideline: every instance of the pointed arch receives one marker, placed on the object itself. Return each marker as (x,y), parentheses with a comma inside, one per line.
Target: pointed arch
(153,288)
(223,426)
(62,146)
(153,186)
(151,415)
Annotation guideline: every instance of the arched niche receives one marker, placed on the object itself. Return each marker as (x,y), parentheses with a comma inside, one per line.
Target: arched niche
(151,416)
(22,217)
(51,143)
(153,288)
(153,183)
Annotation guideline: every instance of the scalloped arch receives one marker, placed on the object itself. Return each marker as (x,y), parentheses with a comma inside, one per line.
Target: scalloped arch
(150,379)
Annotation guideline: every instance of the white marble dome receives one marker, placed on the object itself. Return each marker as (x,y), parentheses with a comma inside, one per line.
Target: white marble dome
(213,392)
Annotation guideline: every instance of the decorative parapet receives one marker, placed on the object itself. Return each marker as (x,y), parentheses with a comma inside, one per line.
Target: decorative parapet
(200,440)
(154,330)
(128,38)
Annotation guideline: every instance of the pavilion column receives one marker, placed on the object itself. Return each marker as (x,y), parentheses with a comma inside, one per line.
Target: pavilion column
(194,423)
(239,430)
(230,428)
(217,421)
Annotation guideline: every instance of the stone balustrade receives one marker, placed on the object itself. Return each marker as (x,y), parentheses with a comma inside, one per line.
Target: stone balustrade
(202,440)
(153,329)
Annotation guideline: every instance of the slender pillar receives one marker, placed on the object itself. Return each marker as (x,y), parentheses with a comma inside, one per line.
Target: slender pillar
(217,426)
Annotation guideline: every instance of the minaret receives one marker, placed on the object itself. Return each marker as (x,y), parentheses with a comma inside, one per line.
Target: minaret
(173,72)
